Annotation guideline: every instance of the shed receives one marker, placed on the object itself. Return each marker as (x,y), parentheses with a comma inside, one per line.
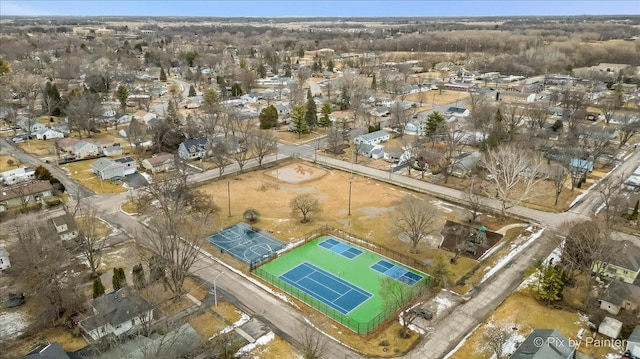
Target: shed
(4,259)
(633,342)
(610,327)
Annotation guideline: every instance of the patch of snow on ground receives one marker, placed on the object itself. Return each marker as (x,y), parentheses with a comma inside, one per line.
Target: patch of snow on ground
(441,206)
(553,258)
(443,304)
(244,318)
(506,259)
(12,324)
(263,340)
(510,346)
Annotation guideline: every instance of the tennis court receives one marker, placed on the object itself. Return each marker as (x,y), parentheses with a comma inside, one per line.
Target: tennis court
(244,243)
(329,289)
(339,279)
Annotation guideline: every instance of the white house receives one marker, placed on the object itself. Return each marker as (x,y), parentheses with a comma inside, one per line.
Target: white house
(4,259)
(84,149)
(372,138)
(116,313)
(112,151)
(251,97)
(17,175)
(417,127)
(106,168)
(129,164)
(47,134)
(161,162)
(620,295)
(65,226)
(24,123)
(610,327)
(371,151)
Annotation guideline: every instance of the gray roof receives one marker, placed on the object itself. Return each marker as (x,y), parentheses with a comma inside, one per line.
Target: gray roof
(65,219)
(619,291)
(467,160)
(454,109)
(373,135)
(198,143)
(635,335)
(102,164)
(554,346)
(629,257)
(116,308)
(50,351)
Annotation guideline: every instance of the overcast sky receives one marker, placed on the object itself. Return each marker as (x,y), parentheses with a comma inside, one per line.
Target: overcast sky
(310,8)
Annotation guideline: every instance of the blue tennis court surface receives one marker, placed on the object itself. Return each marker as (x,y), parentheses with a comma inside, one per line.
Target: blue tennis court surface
(326,287)
(396,272)
(341,248)
(245,244)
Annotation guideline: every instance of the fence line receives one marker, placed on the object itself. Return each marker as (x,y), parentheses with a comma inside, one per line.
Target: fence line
(356,326)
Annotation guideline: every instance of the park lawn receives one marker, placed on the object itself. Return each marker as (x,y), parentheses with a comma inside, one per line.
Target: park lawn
(435,97)
(277,348)
(206,324)
(38,147)
(9,163)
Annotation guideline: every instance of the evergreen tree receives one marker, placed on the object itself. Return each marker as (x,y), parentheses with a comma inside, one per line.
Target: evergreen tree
(434,122)
(236,90)
(116,280)
(325,120)
(634,214)
(163,75)
(4,66)
(137,275)
(123,277)
(52,99)
(192,91)
(268,117)
(374,83)
(345,98)
(311,114)
(551,284)
(211,98)
(330,65)
(172,113)
(98,288)
(123,94)
(300,125)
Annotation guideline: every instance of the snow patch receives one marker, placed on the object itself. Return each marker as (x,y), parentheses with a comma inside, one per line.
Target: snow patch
(244,318)
(263,340)
(13,324)
(443,304)
(515,251)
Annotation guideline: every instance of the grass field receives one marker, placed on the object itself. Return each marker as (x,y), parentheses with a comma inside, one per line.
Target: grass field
(363,318)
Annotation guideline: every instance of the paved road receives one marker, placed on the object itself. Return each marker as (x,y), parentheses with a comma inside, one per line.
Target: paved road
(289,322)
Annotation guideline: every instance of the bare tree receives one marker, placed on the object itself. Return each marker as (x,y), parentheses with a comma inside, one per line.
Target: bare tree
(630,126)
(304,205)
(136,134)
(495,340)
(454,140)
(473,200)
(176,233)
(559,176)
(90,241)
(262,144)
(513,116)
(334,139)
(219,155)
(608,106)
(537,114)
(416,219)
(513,173)
(610,190)
(313,344)
(82,110)
(28,87)
(398,295)
(400,116)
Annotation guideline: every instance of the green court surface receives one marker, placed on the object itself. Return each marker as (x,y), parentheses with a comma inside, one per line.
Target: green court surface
(337,270)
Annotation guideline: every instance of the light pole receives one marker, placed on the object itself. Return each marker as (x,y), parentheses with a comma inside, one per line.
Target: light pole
(215,289)
(315,153)
(229,196)
(350,182)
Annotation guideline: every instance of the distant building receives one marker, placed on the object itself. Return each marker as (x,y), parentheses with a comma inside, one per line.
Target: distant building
(17,175)
(372,138)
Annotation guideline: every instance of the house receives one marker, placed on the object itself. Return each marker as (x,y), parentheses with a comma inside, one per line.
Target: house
(66,144)
(282,109)
(371,151)
(463,164)
(633,342)
(620,295)
(84,149)
(29,125)
(106,168)
(61,127)
(396,155)
(112,151)
(116,313)
(372,138)
(624,266)
(124,119)
(129,164)
(380,111)
(545,344)
(251,97)
(47,134)
(161,162)
(16,175)
(417,127)
(459,86)
(194,149)
(144,116)
(4,259)
(24,193)
(49,351)
(610,327)
(582,165)
(457,111)
(65,226)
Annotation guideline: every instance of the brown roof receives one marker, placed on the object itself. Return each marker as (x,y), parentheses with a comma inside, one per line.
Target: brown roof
(23,189)
(160,158)
(67,142)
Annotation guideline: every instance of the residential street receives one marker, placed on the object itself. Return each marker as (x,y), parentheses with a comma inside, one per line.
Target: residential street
(287,321)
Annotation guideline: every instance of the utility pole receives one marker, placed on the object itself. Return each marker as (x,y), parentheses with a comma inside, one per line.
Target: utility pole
(350,182)
(229,196)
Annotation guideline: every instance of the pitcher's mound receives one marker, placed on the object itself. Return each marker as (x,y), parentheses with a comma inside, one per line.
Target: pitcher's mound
(296,173)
